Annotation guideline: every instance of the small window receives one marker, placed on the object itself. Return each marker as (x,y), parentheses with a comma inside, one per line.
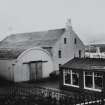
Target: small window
(79,53)
(59,65)
(75,78)
(59,54)
(98,80)
(75,41)
(88,79)
(65,40)
(67,77)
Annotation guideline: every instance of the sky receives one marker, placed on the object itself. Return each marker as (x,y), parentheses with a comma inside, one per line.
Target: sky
(87,17)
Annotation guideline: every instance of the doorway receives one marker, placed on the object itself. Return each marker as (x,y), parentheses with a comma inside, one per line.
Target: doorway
(35,70)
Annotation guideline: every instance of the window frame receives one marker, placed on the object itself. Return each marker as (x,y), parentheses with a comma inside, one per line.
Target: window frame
(80,53)
(93,82)
(59,54)
(65,40)
(75,40)
(71,75)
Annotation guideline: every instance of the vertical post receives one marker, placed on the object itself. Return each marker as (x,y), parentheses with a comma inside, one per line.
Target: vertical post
(103,90)
(12,72)
(60,77)
(81,81)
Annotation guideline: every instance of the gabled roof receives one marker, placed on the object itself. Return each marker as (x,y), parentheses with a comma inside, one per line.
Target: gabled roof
(12,46)
(86,64)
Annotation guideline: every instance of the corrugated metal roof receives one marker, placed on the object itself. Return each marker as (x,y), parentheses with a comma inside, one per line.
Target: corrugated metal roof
(86,64)
(12,46)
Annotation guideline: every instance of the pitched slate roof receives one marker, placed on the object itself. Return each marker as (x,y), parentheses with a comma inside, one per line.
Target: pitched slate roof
(12,46)
(86,64)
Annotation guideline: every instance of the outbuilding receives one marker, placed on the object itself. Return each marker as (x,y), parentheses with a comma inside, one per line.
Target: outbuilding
(83,75)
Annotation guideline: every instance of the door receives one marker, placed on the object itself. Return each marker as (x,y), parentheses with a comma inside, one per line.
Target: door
(39,70)
(35,70)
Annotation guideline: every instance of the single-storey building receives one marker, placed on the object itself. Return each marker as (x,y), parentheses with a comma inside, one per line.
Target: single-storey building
(34,55)
(83,75)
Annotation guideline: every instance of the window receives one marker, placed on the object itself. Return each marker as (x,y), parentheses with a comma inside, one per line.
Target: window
(93,81)
(75,41)
(59,65)
(65,40)
(88,79)
(98,80)
(59,54)
(67,77)
(71,78)
(79,53)
(75,79)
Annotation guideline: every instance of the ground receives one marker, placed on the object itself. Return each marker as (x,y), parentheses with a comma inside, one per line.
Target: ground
(49,83)
(16,100)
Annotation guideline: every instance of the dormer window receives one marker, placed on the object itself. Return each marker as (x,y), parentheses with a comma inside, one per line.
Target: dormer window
(65,40)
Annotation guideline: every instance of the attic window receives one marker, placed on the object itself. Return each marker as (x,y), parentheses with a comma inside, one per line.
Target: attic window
(59,54)
(65,40)
(75,41)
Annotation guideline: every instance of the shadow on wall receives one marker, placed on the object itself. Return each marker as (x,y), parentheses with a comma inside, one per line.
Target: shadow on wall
(4,82)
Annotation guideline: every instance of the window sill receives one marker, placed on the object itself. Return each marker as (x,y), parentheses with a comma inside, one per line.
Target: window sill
(98,90)
(71,85)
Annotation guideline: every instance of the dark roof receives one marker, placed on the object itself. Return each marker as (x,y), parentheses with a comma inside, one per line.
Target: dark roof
(10,53)
(98,45)
(86,64)
(13,45)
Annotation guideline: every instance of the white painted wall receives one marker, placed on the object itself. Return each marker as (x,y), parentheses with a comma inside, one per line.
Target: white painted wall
(68,50)
(22,71)
(6,69)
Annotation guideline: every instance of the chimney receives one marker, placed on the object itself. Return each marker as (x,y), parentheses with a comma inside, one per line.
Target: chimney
(68,24)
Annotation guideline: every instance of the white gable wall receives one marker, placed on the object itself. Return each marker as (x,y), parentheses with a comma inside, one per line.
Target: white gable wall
(68,50)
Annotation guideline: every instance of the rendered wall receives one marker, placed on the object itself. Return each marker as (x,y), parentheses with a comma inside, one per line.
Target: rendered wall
(6,69)
(22,71)
(68,50)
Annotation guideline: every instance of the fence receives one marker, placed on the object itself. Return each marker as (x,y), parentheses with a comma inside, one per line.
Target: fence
(53,96)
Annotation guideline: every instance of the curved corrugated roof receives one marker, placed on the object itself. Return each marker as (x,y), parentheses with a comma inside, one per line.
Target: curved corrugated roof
(12,46)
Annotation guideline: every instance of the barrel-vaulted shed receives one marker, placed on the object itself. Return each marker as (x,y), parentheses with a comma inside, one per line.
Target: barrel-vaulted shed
(34,55)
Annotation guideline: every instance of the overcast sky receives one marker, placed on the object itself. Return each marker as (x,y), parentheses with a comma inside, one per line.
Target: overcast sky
(87,17)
